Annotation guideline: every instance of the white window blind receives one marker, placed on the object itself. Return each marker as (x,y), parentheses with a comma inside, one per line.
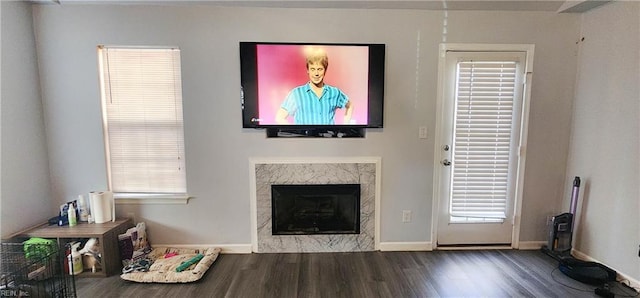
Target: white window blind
(142,113)
(483,126)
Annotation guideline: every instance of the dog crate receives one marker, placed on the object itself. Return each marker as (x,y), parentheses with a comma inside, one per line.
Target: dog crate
(34,270)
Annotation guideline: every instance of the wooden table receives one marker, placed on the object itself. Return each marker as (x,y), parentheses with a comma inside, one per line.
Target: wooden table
(107,234)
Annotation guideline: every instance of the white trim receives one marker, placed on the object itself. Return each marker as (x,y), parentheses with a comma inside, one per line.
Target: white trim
(310,160)
(405,246)
(621,276)
(488,47)
(528,71)
(531,245)
(113,46)
(524,129)
(298,160)
(147,199)
(226,248)
(435,202)
(497,247)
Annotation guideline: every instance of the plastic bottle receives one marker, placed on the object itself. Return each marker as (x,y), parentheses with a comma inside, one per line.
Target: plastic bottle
(82,209)
(71,213)
(69,265)
(76,259)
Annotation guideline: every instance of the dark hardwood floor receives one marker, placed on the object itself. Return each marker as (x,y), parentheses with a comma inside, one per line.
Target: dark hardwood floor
(489,273)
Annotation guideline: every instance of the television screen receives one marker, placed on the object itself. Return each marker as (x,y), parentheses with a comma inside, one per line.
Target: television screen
(296,85)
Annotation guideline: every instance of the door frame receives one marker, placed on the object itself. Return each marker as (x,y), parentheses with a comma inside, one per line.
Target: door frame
(528,70)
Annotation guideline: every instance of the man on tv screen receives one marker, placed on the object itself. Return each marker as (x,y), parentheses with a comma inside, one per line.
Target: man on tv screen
(315,102)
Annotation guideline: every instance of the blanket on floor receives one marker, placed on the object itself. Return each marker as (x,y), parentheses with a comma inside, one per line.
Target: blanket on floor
(172,265)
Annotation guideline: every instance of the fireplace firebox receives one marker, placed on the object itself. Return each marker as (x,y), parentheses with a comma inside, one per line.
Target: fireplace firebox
(315,209)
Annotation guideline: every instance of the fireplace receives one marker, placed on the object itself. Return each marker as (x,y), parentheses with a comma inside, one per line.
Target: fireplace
(363,172)
(315,209)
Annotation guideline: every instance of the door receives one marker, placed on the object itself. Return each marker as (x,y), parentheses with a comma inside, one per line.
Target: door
(479,143)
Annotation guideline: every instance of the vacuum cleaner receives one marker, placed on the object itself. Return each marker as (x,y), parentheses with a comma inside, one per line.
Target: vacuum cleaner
(558,246)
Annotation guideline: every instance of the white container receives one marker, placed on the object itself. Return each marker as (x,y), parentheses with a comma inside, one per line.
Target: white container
(76,260)
(83,209)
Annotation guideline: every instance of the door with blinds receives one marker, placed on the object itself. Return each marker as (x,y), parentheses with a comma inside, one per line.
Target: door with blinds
(479,143)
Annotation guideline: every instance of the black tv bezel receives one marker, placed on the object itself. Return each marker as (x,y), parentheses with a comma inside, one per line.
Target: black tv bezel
(249,86)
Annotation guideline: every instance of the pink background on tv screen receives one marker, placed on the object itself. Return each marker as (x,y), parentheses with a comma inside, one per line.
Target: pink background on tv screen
(283,67)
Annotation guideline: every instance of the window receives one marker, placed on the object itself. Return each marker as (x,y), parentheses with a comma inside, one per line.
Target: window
(142,117)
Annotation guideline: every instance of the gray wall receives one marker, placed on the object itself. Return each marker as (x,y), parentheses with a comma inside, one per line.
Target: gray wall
(605,150)
(24,195)
(218,149)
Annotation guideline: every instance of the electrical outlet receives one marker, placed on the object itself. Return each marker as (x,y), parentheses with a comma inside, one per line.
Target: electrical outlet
(132,216)
(422,132)
(406,215)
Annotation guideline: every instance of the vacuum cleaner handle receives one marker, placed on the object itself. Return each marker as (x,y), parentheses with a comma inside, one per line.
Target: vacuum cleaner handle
(574,195)
(574,202)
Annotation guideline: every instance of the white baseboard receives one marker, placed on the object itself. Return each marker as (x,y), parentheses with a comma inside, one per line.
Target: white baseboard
(226,248)
(405,246)
(427,246)
(531,245)
(481,247)
(246,248)
(523,245)
(621,276)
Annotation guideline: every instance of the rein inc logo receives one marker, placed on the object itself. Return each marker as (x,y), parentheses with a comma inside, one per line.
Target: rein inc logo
(13,293)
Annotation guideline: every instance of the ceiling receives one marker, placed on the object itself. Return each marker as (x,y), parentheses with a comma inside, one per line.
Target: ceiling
(572,6)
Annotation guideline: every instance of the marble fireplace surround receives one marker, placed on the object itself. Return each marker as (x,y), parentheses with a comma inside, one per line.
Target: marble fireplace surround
(331,170)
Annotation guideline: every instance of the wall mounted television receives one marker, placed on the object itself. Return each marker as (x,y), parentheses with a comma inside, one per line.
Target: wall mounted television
(280,89)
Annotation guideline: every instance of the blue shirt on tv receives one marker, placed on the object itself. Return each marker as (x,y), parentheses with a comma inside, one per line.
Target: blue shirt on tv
(306,108)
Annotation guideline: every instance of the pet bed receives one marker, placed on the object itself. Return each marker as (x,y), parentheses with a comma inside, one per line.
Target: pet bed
(191,264)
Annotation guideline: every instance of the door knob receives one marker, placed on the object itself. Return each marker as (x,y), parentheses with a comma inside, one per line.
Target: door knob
(446,162)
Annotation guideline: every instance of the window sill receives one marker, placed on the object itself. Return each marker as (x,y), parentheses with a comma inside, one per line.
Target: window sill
(149,199)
